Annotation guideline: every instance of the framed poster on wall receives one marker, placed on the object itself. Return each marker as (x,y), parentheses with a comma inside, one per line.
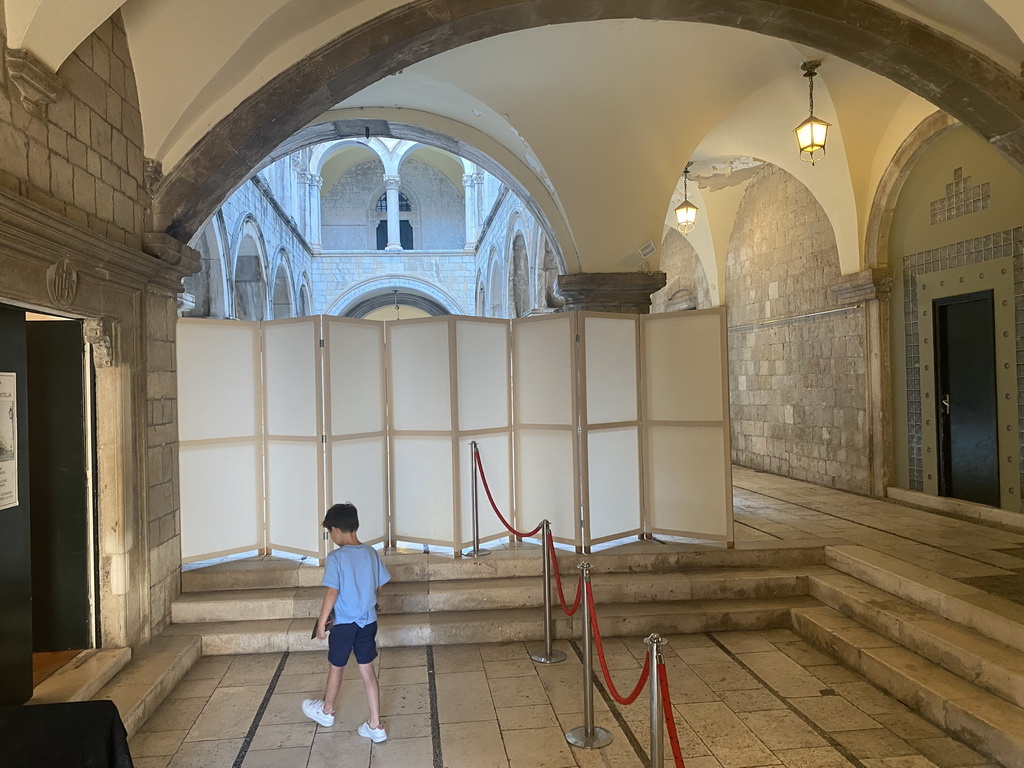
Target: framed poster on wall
(8,441)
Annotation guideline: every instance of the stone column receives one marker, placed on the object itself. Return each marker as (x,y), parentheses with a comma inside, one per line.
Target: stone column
(871,287)
(314,182)
(626,292)
(391,184)
(472,224)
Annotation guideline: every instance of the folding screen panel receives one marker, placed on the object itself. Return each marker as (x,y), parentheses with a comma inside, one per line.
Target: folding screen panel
(687,472)
(483,414)
(355,416)
(293,418)
(610,420)
(545,423)
(423,456)
(220,438)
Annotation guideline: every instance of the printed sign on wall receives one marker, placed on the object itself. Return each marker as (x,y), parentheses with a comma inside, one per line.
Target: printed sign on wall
(8,442)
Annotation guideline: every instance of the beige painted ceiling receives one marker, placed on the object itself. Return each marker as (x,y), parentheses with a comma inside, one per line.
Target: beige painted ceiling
(596,119)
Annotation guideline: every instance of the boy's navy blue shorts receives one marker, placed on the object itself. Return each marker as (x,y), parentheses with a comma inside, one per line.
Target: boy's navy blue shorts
(345,639)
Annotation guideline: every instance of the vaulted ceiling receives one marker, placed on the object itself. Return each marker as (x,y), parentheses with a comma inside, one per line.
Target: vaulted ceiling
(595,110)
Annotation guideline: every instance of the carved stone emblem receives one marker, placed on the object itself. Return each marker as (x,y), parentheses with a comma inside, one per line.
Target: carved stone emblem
(62,282)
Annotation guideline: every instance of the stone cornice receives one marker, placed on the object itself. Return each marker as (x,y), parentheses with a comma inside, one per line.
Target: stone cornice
(37,86)
(628,292)
(862,286)
(32,233)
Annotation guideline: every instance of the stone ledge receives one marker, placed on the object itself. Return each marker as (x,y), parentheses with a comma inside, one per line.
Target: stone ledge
(82,677)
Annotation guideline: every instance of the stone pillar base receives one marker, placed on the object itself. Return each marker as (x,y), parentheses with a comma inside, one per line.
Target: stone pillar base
(625,292)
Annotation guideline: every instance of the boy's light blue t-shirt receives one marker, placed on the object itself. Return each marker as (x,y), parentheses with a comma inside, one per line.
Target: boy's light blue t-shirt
(356,571)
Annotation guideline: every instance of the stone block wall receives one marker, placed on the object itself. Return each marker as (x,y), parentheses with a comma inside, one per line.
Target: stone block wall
(335,275)
(80,157)
(349,217)
(163,505)
(797,361)
(83,157)
(687,283)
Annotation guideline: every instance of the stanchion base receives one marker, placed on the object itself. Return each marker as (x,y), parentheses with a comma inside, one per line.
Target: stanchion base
(578,737)
(544,658)
(476,553)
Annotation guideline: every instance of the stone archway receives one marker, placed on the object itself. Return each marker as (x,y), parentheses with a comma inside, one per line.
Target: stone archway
(957,79)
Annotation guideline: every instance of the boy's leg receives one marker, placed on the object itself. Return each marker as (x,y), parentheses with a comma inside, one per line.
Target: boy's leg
(333,685)
(372,693)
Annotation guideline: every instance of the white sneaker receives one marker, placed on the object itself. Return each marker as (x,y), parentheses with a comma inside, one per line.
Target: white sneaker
(376,735)
(314,710)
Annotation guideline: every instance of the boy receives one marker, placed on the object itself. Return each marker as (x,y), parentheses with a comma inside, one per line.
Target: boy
(352,574)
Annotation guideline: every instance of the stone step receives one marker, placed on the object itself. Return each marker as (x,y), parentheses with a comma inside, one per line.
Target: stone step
(488,626)
(274,573)
(987,663)
(484,594)
(989,615)
(154,671)
(82,677)
(983,721)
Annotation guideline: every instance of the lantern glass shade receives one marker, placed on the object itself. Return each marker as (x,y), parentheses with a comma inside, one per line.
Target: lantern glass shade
(810,136)
(686,216)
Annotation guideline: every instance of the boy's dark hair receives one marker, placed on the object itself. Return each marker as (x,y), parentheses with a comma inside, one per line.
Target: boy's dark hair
(343,517)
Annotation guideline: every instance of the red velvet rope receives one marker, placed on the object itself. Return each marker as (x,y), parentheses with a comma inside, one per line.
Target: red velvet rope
(670,720)
(490,498)
(558,582)
(624,700)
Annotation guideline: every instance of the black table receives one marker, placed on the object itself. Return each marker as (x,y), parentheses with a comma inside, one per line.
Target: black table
(79,734)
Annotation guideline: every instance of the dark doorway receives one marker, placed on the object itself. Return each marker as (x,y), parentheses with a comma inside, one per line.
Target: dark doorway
(59,485)
(965,379)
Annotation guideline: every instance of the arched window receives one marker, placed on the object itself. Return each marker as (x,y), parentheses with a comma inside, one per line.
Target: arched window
(403,203)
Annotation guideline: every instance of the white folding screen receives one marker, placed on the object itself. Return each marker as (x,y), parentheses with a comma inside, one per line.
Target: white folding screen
(423,457)
(448,385)
(293,435)
(484,415)
(356,422)
(610,421)
(220,432)
(545,424)
(620,427)
(688,472)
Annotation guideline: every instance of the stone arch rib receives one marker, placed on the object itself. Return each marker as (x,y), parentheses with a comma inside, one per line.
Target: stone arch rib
(963,82)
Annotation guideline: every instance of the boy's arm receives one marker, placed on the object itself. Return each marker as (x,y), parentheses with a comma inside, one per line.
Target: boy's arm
(325,611)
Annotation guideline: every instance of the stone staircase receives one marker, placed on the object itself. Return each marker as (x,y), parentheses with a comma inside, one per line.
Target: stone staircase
(952,652)
(439,601)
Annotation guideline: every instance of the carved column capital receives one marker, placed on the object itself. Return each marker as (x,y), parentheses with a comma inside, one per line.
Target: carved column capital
(152,173)
(392,182)
(101,334)
(626,292)
(35,83)
(468,179)
(872,283)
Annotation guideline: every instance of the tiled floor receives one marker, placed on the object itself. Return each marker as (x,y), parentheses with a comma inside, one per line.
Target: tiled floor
(741,699)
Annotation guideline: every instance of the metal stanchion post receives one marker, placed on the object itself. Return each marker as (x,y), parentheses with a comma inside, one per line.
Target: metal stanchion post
(587,735)
(475,551)
(655,641)
(549,656)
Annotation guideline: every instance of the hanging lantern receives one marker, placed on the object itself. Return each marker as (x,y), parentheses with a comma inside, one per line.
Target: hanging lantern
(686,213)
(812,132)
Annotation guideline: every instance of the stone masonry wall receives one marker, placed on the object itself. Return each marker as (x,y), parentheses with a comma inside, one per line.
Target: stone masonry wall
(687,284)
(797,378)
(84,159)
(349,219)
